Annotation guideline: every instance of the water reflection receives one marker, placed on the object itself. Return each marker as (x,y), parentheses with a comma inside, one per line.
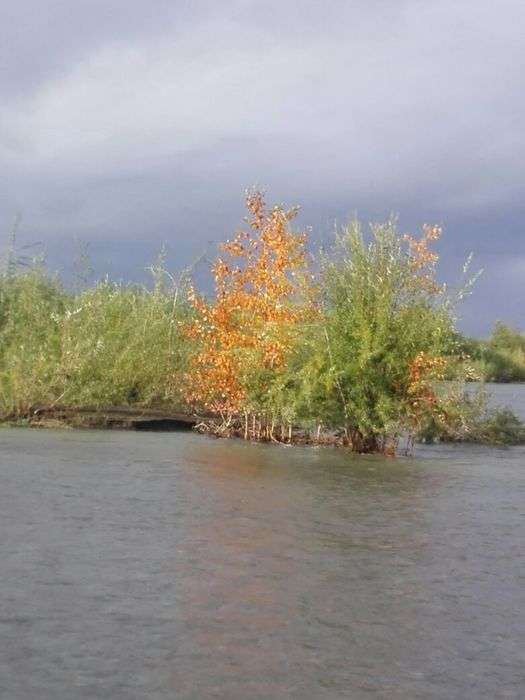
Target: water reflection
(292,571)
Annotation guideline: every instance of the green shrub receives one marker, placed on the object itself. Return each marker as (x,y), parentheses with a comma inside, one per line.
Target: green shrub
(109,345)
(467,418)
(501,358)
(381,309)
(30,340)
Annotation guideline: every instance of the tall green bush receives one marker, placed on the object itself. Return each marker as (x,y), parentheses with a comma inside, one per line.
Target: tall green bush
(381,310)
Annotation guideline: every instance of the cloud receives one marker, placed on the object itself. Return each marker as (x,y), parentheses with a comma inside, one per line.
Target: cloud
(125,119)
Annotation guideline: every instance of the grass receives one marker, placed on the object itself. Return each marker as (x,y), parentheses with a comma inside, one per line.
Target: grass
(112,344)
(500,358)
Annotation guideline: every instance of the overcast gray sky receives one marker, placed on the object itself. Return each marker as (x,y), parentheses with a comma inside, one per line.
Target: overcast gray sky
(126,123)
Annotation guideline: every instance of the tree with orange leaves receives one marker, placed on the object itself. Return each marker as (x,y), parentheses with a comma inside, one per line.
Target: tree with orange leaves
(245,333)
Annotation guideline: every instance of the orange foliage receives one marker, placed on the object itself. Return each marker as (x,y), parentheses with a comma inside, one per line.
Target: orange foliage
(422,259)
(251,320)
(423,370)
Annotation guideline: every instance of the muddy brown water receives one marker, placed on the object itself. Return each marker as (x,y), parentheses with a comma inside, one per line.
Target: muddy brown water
(169,565)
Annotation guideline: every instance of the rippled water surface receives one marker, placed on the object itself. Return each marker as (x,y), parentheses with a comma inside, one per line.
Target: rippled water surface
(169,565)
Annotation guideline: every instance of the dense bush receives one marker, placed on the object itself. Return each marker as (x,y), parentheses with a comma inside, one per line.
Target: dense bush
(30,339)
(502,357)
(465,417)
(109,345)
(367,364)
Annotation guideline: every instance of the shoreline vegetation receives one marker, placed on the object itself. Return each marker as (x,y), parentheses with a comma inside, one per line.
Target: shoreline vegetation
(356,346)
(500,358)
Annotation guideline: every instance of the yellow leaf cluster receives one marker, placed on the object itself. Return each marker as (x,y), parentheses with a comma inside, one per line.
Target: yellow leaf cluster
(425,369)
(253,315)
(422,259)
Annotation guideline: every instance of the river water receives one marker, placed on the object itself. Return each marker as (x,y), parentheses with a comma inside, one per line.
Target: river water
(171,566)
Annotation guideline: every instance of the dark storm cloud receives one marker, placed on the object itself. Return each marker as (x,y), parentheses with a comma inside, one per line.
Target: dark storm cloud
(130,121)
(43,38)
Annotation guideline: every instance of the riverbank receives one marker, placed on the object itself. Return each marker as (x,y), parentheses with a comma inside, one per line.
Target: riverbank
(484,426)
(160,419)
(109,418)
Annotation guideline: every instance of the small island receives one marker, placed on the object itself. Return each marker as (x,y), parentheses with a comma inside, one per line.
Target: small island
(356,346)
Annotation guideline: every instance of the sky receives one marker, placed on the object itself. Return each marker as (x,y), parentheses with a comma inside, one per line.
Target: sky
(126,125)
